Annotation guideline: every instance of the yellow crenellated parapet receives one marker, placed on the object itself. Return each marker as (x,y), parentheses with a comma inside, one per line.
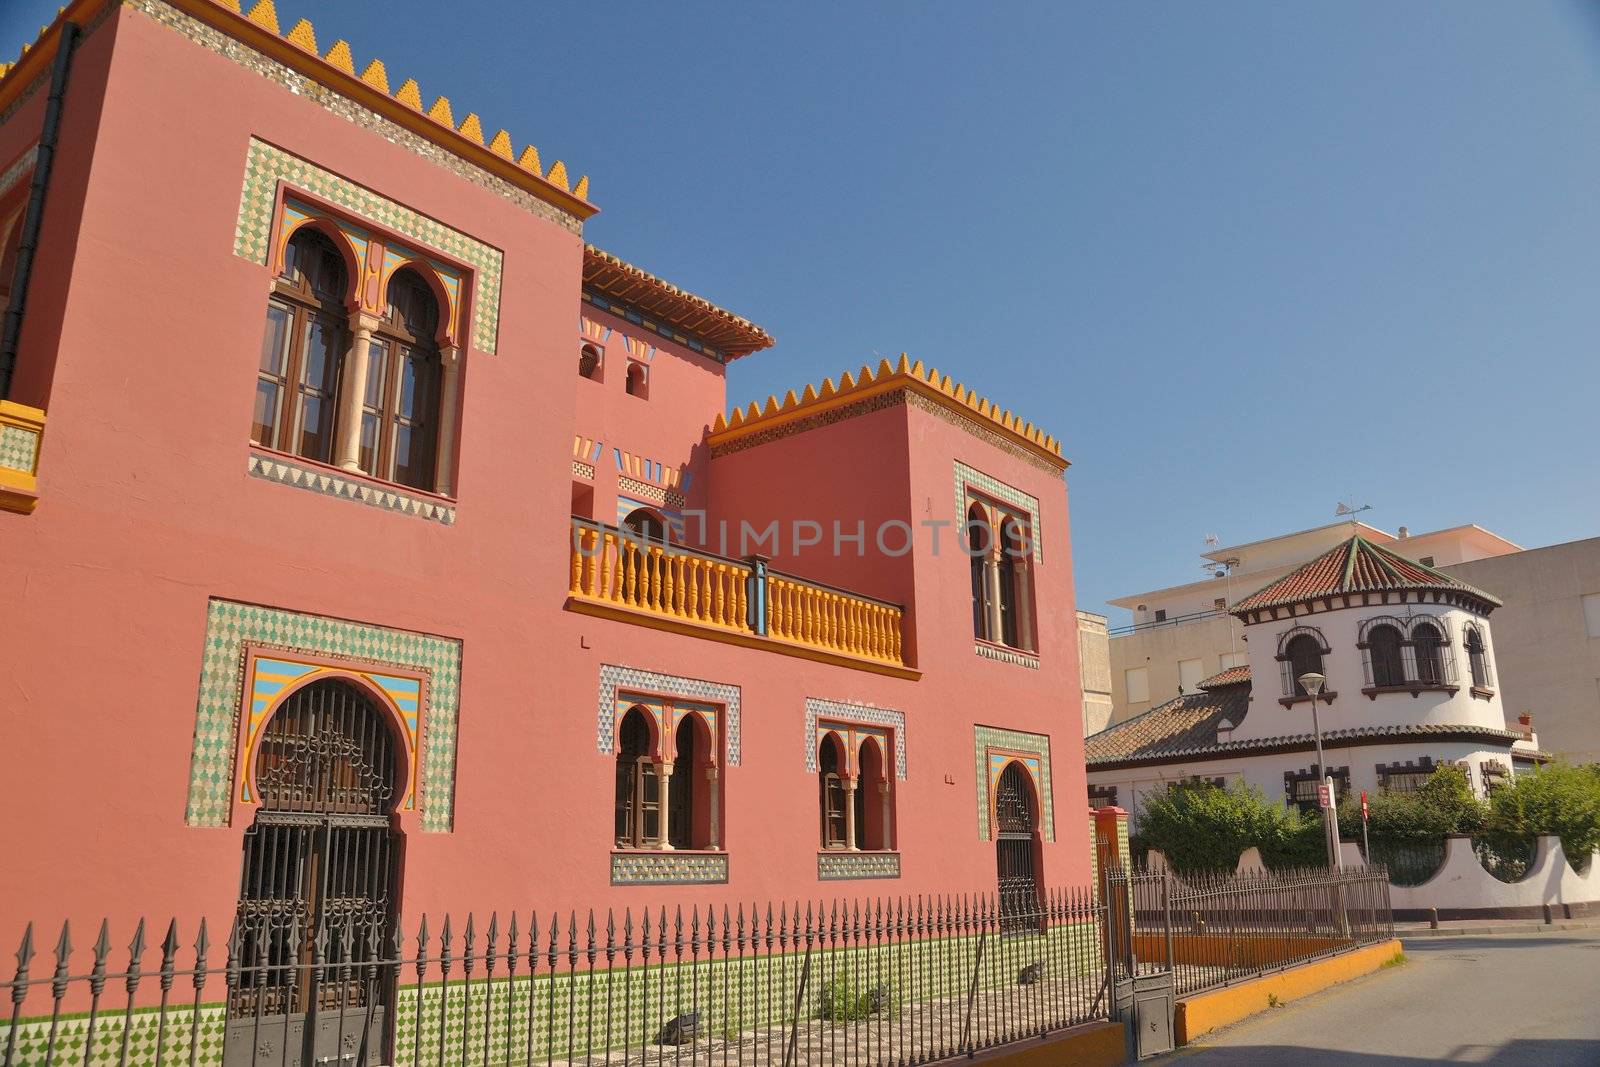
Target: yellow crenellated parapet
(870,380)
(338,64)
(21,432)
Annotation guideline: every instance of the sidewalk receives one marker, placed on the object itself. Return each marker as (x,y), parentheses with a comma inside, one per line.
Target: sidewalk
(1483,927)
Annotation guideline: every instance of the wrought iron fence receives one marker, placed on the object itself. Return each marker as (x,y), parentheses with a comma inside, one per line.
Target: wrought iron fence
(1214,930)
(903,980)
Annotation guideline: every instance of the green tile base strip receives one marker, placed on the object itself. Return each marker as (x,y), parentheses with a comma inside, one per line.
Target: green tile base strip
(230,624)
(732,996)
(266,165)
(986,737)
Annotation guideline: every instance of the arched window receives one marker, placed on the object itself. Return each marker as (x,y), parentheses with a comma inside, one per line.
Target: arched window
(874,802)
(684,807)
(638,818)
(1478,659)
(1386,664)
(589,363)
(978,539)
(638,383)
(1304,657)
(647,524)
(10,242)
(1014,813)
(302,349)
(1427,645)
(830,791)
(400,411)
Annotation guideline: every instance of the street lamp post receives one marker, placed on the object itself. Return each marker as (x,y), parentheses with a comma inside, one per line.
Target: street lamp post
(1312,683)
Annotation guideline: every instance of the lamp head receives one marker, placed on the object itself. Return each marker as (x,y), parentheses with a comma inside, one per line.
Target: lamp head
(1312,682)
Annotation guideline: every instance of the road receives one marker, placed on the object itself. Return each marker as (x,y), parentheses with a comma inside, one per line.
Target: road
(1507,999)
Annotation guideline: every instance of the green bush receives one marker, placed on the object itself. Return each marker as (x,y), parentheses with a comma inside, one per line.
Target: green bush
(1559,799)
(1201,828)
(1443,805)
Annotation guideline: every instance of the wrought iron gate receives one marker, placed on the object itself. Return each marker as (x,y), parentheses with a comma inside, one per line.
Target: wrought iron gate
(1019,882)
(317,894)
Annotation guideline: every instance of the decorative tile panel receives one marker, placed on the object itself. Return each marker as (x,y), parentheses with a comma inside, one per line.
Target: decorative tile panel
(668,868)
(1006,655)
(266,165)
(220,711)
(286,471)
(19,448)
(1033,749)
(843,866)
(968,478)
(862,713)
(614,678)
(582,470)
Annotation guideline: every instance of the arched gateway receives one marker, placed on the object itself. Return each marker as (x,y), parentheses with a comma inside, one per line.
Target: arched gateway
(1015,808)
(317,898)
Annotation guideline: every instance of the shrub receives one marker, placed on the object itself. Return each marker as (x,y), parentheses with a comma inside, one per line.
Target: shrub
(1556,799)
(1201,828)
(1443,805)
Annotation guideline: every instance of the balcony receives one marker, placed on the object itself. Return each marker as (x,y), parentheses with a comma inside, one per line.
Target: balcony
(616,574)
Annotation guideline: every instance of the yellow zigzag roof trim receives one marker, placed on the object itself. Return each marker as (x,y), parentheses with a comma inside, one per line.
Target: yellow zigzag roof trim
(303,37)
(870,380)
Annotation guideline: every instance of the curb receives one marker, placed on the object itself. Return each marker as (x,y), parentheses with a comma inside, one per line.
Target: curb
(1204,1012)
(1490,931)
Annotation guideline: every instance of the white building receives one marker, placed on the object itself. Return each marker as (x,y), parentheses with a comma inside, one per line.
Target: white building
(1184,633)
(1409,661)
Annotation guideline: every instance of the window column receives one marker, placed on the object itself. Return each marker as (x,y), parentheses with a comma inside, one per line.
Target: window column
(663,840)
(887,815)
(715,808)
(352,394)
(991,583)
(1024,605)
(449,400)
(850,785)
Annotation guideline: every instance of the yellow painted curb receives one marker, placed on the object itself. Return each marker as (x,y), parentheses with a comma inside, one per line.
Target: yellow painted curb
(1091,1045)
(1205,1012)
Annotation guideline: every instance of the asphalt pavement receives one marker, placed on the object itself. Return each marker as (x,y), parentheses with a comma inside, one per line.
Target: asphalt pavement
(1508,999)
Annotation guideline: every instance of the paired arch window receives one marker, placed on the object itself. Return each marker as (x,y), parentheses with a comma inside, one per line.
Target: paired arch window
(1002,577)
(1397,653)
(855,810)
(367,392)
(661,803)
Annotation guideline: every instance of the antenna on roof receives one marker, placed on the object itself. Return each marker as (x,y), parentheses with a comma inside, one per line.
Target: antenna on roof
(1349,509)
(1211,540)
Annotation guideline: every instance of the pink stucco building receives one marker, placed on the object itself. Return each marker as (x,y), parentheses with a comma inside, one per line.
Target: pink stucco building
(357,511)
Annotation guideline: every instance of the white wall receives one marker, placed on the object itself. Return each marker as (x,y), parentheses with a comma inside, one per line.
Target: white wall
(1342,665)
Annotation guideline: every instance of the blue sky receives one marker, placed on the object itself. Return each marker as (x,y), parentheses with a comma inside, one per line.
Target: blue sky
(1245,259)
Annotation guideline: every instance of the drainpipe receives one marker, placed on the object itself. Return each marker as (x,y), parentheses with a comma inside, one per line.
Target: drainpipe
(11,331)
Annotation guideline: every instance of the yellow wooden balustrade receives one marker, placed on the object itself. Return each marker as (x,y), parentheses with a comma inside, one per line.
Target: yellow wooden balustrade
(616,571)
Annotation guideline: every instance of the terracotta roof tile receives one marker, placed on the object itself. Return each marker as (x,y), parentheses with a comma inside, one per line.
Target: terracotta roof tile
(1356,566)
(1231,676)
(1179,725)
(622,281)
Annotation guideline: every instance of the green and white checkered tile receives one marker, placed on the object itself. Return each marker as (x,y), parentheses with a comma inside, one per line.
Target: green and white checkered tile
(230,624)
(266,165)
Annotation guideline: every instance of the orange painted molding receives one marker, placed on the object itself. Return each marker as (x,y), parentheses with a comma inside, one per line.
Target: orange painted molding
(682,626)
(1204,1012)
(21,435)
(1090,1045)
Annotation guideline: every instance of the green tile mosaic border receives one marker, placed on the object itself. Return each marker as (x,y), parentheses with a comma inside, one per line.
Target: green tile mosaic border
(968,476)
(843,866)
(668,868)
(229,624)
(986,737)
(266,165)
